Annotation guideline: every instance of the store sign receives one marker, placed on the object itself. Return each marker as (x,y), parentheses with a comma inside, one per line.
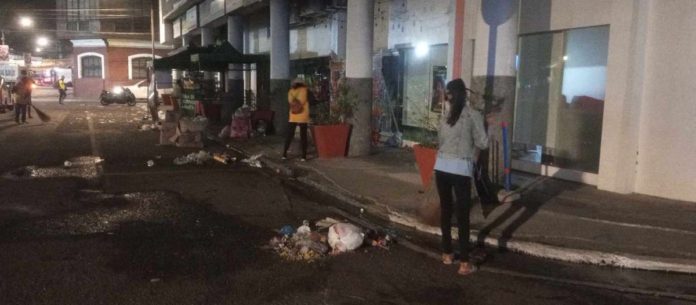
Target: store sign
(9,71)
(4,52)
(176,28)
(190,22)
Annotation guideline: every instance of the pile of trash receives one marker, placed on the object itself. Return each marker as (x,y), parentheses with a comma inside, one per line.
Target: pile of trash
(198,158)
(253,161)
(331,237)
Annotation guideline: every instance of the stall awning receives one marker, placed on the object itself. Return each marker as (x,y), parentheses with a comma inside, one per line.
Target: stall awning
(181,60)
(221,56)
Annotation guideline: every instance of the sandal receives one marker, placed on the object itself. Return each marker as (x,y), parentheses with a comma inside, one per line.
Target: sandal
(447,259)
(466,268)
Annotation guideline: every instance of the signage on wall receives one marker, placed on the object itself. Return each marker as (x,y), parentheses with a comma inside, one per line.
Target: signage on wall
(190,21)
(4,52)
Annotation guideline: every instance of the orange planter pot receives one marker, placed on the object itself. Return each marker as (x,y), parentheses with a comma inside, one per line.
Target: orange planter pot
(425,158)
(331,140)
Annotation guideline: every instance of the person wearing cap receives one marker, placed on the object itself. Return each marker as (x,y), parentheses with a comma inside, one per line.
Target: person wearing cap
(299,116)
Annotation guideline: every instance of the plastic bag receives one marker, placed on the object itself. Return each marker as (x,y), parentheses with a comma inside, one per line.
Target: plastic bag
(344,237)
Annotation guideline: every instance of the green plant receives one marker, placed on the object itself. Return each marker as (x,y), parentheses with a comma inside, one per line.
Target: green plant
(340,110)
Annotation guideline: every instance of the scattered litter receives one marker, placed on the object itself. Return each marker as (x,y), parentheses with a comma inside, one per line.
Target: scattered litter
(223,158)
(379,239)
(147,127)
(150,163)
(287,230)
(225,132)
(98,160)
(198,158)
(326,222)
(304,228)
(67,164)
(155,280)
(344,237)
(304,245)
(158,157)
(253,161)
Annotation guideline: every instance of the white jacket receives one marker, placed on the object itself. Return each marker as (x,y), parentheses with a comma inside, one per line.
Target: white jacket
(459,141)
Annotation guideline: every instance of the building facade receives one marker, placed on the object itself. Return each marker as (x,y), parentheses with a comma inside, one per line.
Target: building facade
(591,91)
(111,42)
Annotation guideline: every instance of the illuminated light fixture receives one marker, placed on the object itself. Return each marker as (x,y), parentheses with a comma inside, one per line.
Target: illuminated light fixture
(565,58)
(42,41)
(26,21)
(422,49)
(38,50)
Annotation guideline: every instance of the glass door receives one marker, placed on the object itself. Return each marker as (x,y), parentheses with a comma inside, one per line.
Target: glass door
(560,102)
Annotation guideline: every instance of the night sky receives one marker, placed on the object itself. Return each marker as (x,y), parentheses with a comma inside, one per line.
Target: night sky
(22,40)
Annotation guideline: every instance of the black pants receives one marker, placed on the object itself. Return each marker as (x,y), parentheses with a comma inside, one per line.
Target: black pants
(291,134)
(61,95)
(461,185)
(21,112)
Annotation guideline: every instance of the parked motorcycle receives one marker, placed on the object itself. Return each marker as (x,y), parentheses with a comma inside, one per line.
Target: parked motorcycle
(118,95)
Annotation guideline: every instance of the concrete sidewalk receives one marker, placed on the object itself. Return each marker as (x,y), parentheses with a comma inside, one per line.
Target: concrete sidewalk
(553,219)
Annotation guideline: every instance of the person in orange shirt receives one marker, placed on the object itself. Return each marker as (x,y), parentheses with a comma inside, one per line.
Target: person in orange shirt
(299,116)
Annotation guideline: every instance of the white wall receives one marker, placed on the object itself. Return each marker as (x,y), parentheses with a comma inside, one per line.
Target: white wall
(413,21)
(667,162)
(314,40)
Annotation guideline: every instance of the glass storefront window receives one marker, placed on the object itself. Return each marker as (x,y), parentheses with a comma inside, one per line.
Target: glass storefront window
(425,72)
(560,98)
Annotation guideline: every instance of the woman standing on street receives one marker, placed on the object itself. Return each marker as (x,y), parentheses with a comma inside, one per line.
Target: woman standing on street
(461,136)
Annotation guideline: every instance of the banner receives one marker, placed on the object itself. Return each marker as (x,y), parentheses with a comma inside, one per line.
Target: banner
(4,52)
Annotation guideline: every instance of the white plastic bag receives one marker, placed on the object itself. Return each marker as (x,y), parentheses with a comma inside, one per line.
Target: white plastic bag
(344,237)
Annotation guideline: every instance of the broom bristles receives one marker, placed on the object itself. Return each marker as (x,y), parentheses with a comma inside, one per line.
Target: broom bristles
(42,115)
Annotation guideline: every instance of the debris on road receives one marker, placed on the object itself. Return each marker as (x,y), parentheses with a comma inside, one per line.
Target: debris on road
(344,237)
(198,158)
(304,244)
(223,158)
(67,164)
(253,161)
(150,163)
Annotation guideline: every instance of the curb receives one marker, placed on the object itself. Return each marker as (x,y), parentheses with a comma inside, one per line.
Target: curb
(536,249)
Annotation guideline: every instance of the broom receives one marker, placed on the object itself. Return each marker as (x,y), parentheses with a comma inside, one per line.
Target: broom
(42,115)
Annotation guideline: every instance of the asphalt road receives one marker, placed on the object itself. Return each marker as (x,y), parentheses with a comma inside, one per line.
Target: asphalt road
(120,232)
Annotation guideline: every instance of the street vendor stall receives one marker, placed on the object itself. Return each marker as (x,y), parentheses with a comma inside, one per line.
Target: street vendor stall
(202,93)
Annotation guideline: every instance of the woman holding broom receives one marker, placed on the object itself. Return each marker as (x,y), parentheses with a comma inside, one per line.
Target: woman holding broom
(461,136)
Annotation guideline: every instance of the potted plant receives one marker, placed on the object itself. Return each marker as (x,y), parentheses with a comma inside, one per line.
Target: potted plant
(425,150)
(330,130)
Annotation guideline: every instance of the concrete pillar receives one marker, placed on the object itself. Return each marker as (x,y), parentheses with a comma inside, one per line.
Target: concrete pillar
(235,77)
(207,40)
(280,63)
(494,67)
(359,45)
(626,74)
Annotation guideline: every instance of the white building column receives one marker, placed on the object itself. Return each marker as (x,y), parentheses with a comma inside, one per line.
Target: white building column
(624,96)
(280,63)
(494,68)
(359,51)
(207,40)
(235,77)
